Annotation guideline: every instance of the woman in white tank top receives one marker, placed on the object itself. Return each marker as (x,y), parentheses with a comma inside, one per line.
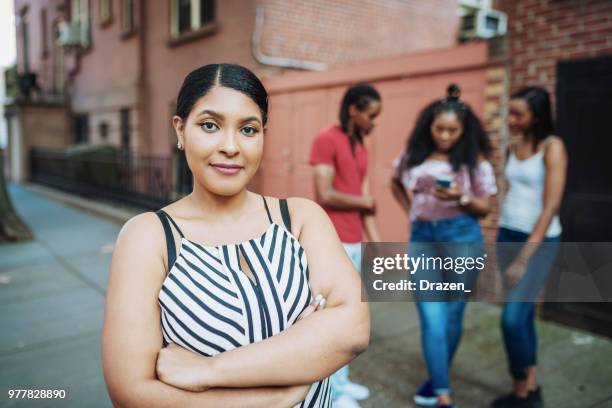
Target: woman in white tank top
(535,173)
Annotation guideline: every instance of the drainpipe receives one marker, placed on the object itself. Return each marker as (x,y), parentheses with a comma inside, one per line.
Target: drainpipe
(277,61)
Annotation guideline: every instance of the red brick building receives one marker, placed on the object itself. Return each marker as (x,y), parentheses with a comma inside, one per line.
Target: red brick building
(122,76)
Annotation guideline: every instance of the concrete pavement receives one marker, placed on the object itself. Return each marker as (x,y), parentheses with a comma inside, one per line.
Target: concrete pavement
(51,309)
(51,303)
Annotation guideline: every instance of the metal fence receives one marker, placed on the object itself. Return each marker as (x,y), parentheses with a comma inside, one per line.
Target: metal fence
(144,181)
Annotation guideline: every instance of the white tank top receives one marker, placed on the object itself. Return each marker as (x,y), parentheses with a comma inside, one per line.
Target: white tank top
(525,197)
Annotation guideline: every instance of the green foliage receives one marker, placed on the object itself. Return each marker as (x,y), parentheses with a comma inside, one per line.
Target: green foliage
(96,164)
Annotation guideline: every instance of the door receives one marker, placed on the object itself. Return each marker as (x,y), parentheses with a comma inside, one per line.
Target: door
(584,103)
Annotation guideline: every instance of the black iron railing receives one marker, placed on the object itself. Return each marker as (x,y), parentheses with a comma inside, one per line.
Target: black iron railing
(144,181)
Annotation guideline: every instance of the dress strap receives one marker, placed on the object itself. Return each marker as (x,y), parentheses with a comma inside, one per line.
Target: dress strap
(284,209)
(267,209)
(173,223)
(170,245)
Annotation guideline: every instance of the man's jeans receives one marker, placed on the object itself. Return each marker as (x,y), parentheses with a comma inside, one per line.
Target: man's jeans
(340,377)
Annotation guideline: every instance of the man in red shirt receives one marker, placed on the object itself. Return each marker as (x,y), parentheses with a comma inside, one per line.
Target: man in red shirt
(340,161)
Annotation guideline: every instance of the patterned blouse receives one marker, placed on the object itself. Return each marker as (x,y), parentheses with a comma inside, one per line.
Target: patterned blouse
(421,180)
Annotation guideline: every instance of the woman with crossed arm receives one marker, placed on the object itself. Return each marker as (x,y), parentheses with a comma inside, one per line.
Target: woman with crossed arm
(226,297)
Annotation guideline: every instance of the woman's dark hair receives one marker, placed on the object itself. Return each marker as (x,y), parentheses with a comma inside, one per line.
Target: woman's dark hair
(472,143)
(199,81)
(359,95)
(539,104)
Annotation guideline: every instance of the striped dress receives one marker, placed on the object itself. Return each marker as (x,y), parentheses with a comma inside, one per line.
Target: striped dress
(209,305)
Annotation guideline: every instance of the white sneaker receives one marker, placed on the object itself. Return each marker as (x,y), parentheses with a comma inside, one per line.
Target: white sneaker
(356,391)
(344,401)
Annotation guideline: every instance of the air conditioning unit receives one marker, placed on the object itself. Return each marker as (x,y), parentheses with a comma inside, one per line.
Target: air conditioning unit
(69,34)
(479,4)
(482,23)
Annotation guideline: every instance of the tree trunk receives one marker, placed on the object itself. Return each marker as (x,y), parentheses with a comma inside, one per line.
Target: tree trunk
(12,228)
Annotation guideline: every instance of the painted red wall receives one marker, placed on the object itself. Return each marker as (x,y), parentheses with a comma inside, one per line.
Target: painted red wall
(303,104)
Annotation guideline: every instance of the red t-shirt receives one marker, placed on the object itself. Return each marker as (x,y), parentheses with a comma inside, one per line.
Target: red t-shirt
(332,147)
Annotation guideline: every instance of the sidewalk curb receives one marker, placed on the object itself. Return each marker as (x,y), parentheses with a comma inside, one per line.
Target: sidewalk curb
(117,213)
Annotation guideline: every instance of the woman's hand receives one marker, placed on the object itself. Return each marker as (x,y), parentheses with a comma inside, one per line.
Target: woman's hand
(515,272)
(317,303)
(297,394)
(447,194)
(181,368)
(402,195)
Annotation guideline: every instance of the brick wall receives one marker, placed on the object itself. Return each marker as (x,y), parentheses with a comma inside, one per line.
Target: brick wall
(542,32)
(346,31)
(494,121)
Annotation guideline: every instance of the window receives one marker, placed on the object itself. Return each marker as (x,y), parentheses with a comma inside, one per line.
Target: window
(106,11)
(125,128)
(127,17)
(191,16)
(44,34)
(81,128)
(58,63)
(25,41)
(103,131)
(80,18)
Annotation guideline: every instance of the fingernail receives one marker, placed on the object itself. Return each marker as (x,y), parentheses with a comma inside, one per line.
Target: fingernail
(322,304)
(318,298)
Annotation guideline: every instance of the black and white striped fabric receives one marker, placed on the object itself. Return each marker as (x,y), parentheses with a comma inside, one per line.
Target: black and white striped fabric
(209,305)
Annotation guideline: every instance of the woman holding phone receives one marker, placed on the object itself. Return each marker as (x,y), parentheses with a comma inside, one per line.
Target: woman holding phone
(226,298)
(443,182)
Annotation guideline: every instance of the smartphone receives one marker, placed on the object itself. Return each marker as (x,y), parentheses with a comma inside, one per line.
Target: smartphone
(444,181)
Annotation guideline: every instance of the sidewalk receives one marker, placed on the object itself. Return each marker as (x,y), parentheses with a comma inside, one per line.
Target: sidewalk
(51,306)
(51,303)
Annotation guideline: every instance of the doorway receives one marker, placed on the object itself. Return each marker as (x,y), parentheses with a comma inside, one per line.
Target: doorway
(584,102)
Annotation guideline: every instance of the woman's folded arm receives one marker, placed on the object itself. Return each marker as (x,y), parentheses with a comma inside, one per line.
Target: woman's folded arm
(132,337)
(315,347)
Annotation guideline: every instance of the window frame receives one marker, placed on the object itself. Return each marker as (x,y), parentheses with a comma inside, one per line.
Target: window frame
(44,31)
(197,29)
(80,15)
(105,9)
(128,18)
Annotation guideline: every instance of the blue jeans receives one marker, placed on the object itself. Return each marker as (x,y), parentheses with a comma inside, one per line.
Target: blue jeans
(442,321)
(518,317)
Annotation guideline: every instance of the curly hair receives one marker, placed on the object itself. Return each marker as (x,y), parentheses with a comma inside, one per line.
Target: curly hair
(472,143)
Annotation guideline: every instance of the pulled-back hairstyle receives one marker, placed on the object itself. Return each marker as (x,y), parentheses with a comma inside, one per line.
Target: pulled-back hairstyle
(538,100)
(201,80)
(472,142)
(359,95)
